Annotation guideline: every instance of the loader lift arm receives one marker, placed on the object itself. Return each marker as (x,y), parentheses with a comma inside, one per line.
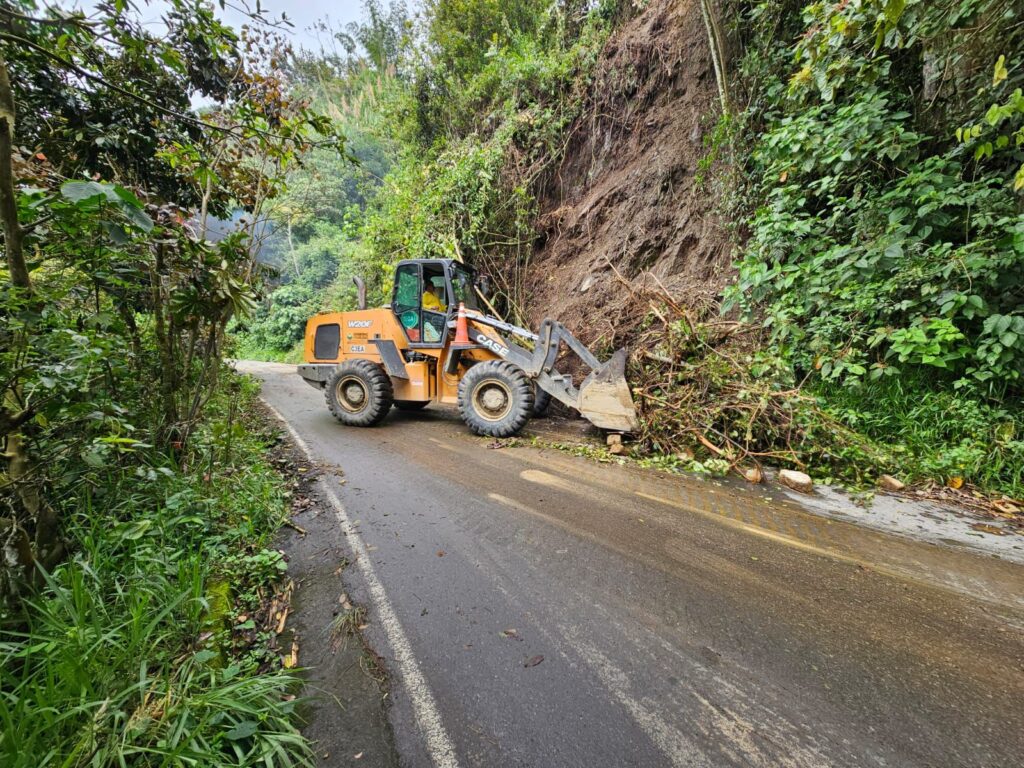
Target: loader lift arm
(603,397)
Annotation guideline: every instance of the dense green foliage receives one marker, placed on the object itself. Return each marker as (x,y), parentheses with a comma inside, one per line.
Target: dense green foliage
(114,303)
(884,242)
(316,276)
(128,487)
(886,247)
(128,656)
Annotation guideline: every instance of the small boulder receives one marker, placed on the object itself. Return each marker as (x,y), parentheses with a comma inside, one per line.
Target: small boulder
(798,481)
(614,439)
(890,483)
(617,449)
(753,475)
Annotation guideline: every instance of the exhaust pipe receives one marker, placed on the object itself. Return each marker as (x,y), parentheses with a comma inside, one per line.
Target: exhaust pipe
(360,292)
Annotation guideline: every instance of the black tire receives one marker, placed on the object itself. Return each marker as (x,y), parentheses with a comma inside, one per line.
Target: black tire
(495,398)
(359,393)
(541,401)
(411,405)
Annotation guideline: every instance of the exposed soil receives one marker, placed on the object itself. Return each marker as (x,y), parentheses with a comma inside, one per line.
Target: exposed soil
(625,193)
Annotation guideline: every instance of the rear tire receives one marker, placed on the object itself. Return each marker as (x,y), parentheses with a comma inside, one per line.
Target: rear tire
(495,398)
(411,405)
(359,393)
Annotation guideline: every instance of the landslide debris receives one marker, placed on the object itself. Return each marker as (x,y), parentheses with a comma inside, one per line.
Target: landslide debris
(625,210)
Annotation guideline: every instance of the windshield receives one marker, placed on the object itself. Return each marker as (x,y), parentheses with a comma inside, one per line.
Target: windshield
(463,287)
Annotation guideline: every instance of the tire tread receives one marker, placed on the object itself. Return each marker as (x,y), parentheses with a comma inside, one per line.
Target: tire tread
(522,398)
(380,394)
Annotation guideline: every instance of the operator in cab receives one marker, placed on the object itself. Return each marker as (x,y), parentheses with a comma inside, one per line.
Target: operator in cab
(434,298)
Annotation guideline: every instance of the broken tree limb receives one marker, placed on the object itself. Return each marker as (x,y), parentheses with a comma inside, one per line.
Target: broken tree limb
(619,276)
(709,445)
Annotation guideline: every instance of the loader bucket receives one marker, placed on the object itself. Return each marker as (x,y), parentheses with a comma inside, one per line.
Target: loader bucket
(605,399)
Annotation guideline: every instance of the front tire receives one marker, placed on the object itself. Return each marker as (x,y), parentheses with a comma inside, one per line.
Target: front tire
(541,401)
(495,399)
(359,393)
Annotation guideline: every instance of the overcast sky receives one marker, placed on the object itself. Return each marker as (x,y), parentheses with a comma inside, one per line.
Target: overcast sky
(303,14)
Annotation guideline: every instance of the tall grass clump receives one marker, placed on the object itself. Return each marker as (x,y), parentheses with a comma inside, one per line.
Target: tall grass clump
(125,655)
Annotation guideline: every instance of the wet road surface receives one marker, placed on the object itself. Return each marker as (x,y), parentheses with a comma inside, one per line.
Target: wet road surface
(539,609)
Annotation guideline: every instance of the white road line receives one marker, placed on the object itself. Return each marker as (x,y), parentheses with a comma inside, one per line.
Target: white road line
(424,706)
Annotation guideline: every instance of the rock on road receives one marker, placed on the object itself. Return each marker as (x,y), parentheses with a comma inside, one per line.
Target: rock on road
(539,609)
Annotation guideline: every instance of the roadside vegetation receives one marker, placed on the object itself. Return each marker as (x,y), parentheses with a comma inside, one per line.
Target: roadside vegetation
(883,189)
(136,509)
(150,643)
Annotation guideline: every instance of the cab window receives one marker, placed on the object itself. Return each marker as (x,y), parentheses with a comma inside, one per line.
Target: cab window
(436,302)
(463,287)
(406,301)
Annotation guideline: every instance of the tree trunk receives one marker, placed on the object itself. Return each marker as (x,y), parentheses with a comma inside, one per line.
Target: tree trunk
(14,235)
(34,513)
(291,249)
(163,342)
(716,42)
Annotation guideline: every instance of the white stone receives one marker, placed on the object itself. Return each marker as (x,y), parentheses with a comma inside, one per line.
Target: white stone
(798,481)
(890,483)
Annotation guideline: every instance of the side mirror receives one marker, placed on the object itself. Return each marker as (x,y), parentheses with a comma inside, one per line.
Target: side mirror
(484,284)
(360,292)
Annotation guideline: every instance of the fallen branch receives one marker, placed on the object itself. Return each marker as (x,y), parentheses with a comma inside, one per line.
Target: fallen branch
(709,445)
(281,621)
(619,276)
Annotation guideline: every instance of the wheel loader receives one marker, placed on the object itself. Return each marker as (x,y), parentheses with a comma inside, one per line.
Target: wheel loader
(434,344)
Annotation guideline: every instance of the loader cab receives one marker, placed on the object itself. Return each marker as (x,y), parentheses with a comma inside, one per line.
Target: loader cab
(426,326)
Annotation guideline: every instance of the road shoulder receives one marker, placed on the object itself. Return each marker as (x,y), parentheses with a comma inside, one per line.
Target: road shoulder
(345,687)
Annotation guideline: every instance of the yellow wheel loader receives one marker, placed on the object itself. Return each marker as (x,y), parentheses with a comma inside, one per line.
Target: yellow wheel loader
(434,344)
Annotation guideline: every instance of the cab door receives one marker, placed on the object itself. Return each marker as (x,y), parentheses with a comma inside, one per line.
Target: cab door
(424,328)
(406,299)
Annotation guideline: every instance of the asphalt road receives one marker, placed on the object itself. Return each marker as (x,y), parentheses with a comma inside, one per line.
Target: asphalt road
(538,609)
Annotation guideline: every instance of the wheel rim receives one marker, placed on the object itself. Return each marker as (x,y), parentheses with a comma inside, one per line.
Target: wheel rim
(492,400)
(352,394)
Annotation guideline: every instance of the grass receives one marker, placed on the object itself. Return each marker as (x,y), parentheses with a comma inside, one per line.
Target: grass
(937,432)
(245,349)
(126,656)
(347,624)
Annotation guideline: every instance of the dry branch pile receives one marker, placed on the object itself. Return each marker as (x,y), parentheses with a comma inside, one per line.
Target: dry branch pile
(704,388)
